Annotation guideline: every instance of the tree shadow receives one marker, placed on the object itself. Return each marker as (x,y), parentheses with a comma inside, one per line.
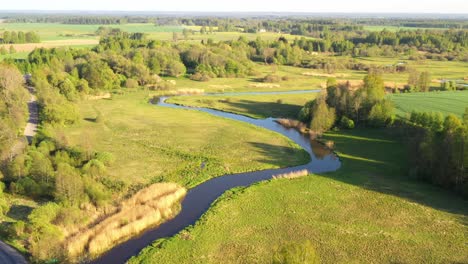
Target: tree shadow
(19,212)
(374,161)
(266,109)
(281,156)
(371,161)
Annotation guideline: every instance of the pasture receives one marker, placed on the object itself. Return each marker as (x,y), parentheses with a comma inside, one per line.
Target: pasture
(367,211)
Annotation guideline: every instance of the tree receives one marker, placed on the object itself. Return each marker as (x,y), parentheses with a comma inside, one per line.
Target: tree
(322,116)
(374,87)
(424,82)
(413,80)
(175,69)
(175,36)
(381,113)
(69,187)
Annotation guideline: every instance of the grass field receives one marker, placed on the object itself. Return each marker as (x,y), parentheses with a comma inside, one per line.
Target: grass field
(56,31)
(154,143)
(256,106)
(444,102)
(367,212)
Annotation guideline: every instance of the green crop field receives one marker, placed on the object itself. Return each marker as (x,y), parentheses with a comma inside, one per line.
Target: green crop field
(444,102)
(153,143)
(365,212)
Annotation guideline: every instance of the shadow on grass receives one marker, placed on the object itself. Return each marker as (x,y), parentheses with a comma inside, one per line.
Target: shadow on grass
(19,212)
(372,160)
(280,156)
(267,109)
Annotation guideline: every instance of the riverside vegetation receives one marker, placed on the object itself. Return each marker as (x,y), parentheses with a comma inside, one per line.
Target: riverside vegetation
(84,182)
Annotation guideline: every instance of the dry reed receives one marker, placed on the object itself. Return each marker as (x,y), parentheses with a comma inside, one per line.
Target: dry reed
(146,208)
(292,175)
(291,123)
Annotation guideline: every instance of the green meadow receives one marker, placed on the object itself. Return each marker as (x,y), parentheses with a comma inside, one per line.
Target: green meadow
(366,212)
(153,143)
(256,106)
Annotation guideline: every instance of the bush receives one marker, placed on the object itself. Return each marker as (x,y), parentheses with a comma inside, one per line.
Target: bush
(201,77)
(296,253)
(346,123)
(131,83)
(271,78)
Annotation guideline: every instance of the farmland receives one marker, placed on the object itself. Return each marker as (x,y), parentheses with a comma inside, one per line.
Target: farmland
(443,102)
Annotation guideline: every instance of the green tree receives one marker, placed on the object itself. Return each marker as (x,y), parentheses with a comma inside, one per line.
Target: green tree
(424,82)
(374,88)
(322,116)
(381,113)
(69,187)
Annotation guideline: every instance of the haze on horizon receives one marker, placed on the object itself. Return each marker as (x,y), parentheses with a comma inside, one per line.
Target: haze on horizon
(337,6)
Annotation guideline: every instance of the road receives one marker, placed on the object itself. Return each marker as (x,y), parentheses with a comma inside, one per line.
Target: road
(31,127)
(8,255)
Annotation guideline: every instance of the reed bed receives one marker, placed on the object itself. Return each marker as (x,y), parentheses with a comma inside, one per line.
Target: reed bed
(144,209)
(292,175)
(291,123)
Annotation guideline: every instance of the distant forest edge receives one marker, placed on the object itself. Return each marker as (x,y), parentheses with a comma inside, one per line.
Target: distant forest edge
(283,24)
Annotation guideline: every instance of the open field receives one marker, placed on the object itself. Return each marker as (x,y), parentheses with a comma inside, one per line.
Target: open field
(154,143)
(256,106)
(56,31)
(367,212)
(76,43)
(444,102)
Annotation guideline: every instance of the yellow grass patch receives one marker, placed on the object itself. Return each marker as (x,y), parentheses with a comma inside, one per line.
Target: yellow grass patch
(98,97)
(27,47)
(264,85)
(321,74)
(146,208)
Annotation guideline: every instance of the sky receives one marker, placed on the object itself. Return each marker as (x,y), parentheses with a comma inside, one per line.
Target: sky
(361,6)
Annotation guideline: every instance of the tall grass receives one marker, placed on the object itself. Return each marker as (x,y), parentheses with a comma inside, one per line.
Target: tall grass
(146,208)
(292,174)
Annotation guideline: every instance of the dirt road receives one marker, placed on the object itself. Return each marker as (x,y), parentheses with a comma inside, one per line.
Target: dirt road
(31,127)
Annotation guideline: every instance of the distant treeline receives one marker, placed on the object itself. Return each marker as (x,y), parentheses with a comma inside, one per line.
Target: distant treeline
(293,25)
(13,37)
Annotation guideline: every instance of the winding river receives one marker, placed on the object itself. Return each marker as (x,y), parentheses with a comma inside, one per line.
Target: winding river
(199,198)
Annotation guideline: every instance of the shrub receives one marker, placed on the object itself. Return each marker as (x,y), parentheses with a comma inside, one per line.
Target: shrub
(296,253)
(279,101)
(271,78)
(346,123)
(201,77)
(131,83)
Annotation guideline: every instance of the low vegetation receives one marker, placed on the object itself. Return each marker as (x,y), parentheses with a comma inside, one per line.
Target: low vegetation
(368,211)
(146,208)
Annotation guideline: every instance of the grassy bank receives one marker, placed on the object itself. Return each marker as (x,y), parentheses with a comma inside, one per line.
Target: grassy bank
(153,143)
(256,106)
(444,102)
(367,212)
